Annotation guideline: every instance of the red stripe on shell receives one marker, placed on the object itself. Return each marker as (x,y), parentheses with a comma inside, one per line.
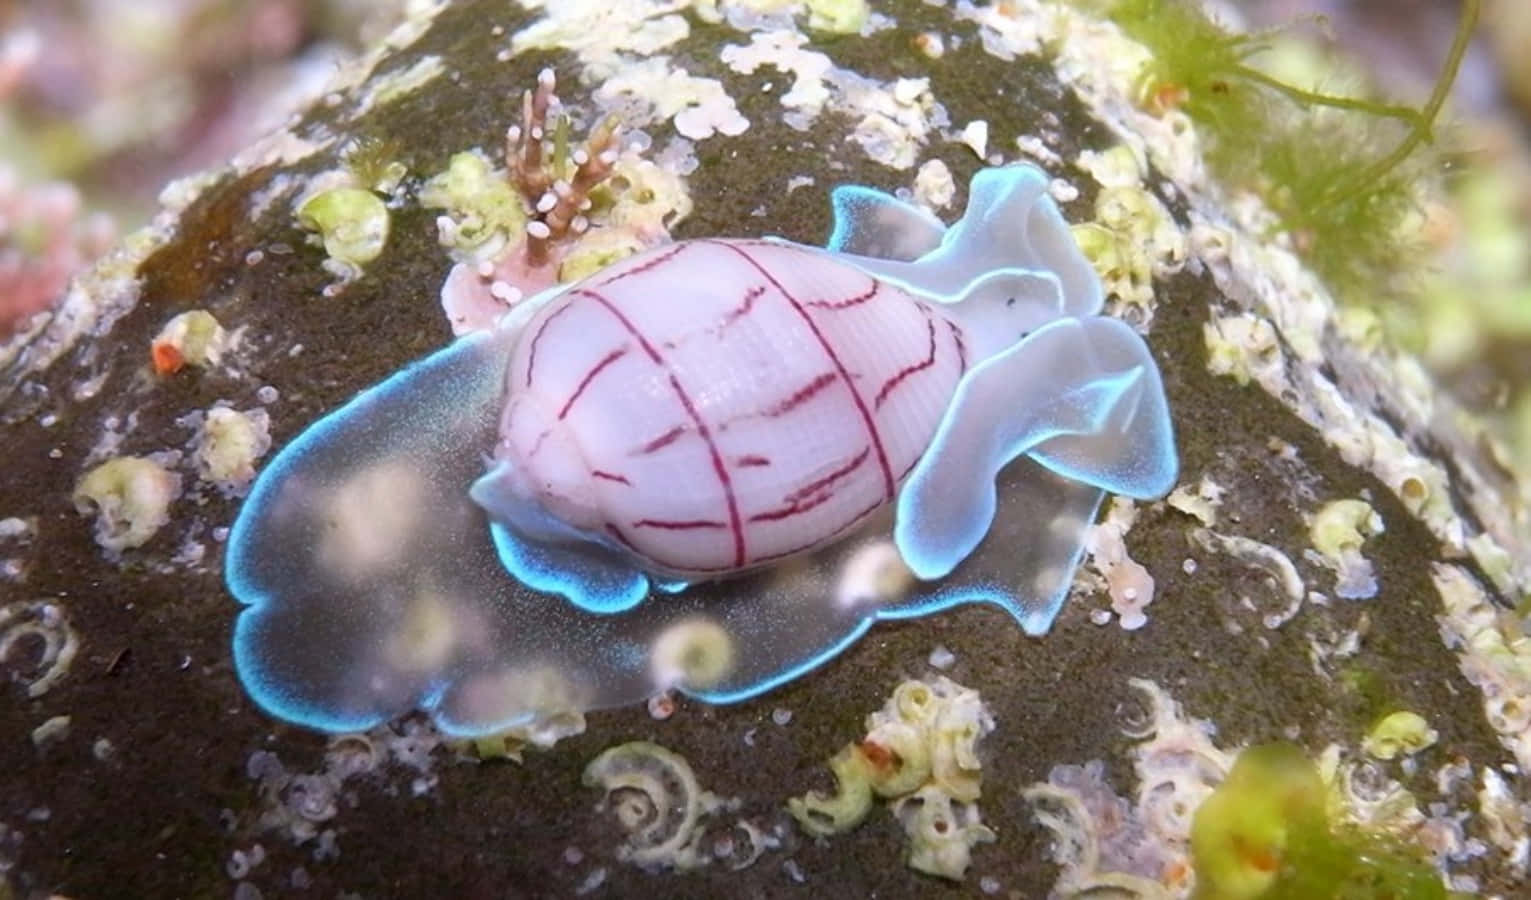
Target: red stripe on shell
(664,440)
(801,395)
(642,267)
(848,302)
(595,370)
(962,349)
(531,356)
(861,406)
(908,371)
(719,468)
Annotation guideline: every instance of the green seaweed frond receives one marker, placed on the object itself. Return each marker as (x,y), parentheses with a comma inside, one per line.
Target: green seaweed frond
(1341,173)
(374,162)
(1349,219)
(1267,833)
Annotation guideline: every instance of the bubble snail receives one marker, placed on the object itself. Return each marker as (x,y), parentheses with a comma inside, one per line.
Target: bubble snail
(709,467)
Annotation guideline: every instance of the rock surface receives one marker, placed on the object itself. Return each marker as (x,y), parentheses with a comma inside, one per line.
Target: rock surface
(167,782)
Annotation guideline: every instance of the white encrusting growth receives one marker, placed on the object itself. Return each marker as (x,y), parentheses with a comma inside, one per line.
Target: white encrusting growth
(1130,585)
(130,497)
(1282,578)
(227,445)
(654,795)
(920,754)
(26,624)
(1338,531)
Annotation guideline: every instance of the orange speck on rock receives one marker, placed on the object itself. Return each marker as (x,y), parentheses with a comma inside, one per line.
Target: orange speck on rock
(167,357)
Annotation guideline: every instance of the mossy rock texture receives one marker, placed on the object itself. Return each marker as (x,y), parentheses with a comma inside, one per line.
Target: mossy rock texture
(150,793)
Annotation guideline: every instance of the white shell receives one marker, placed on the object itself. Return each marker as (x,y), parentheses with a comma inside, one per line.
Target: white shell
(714,405)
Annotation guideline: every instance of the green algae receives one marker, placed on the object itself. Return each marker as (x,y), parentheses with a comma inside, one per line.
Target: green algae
(1341,173)
(1267,832)
(353,223)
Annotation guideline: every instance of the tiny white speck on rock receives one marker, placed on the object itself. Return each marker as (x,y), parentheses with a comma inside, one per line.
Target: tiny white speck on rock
(793,870)
(934,186)
(51,731)
(942,658)
(592,881)
(662,706)
(976,135)
(573,855)
(1062,191)
(1100,616)
(989,884)
(781,715)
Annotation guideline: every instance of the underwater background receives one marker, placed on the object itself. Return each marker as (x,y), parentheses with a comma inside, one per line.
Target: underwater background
(1305,671)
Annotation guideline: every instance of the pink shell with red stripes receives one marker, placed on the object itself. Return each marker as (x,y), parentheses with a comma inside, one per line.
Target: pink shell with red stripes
(683,416)
(715,405)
